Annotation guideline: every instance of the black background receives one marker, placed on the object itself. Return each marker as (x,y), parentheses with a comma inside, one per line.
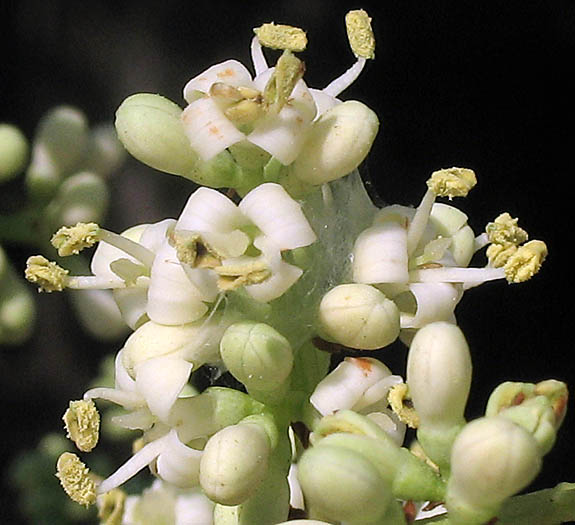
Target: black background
(485,85)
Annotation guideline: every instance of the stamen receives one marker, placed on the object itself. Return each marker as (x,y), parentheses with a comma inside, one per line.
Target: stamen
(72,240)
(504,230)
(258,58)
(360,34)
(46,274)
(288,71)
(234,276)
(281,37)
(525,262)
(398,400)
(82,423)
(75,479)
(452,182)
(137,462)
(336,86)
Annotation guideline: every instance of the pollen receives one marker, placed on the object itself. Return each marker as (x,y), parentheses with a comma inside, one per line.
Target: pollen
(72,240)
(525,262)
(277,36)
(400,403)
(452,182)
(360,34)
(46,274)
(82,423)
(504,230)
(75,479)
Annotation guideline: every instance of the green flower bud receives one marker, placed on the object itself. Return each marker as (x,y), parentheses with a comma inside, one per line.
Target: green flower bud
(60,144)
(234,462)
(83,197)
(150,128)
(257,355)
(342,485)
(359,316)
(105,151)
(439,379)
(537,417)
(540,408)
(492,459)
(409,477)
(17,307)
(337,143)
(14,152)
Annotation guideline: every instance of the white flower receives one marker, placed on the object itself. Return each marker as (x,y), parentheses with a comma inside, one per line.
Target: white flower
(362,385)
(214,223)
(225,108)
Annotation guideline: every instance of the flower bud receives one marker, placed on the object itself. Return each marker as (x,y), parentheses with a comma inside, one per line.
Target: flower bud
(337,143)
(439,379)
(439,373)
(83,197)
(150,128)
(257,355)
(359,316)
(540,408)
(105,152)
(17,307)
(342,485)
(492,459)
(14,152)
(234,462)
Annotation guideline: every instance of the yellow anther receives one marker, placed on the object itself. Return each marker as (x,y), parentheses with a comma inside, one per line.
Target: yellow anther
(288,71)
(281,37)
(498,254)
(82,422)
(76,479)
(525,262)
(398,398)
(234,276)
(73,239)
(504,230)
(244,112)
(360,34)
(46,274)
(111,507)
(225,91)
(452,182)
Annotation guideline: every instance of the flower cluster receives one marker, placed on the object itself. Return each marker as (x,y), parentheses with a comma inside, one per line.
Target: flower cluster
(263,282)
(63,172)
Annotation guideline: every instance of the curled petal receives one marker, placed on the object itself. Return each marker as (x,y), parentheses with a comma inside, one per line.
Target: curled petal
(231,72)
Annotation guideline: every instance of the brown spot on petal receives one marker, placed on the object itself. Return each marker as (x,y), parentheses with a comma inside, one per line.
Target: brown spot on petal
(226,73)
(518,399)
(362,363)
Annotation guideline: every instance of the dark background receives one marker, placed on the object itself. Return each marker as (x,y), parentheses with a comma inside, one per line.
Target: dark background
(485,85)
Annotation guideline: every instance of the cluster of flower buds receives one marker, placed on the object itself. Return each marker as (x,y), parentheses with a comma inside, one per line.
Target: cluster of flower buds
(262,282)
(64,172)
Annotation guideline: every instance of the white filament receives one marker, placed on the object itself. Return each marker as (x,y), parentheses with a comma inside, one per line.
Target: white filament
(335,87)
